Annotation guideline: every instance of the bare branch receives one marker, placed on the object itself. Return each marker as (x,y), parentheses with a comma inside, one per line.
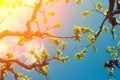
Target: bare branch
(101,27)
(33,17)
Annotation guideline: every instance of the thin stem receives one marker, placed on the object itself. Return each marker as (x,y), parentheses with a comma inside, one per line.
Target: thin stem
(33,17)
(98,11)
(62,36)
(101,27)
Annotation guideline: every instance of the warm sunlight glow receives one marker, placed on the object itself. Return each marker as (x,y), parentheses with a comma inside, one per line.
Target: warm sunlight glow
(16,3)
(10,0)
(38,49)
(13,16)
(3,48)
(14,11)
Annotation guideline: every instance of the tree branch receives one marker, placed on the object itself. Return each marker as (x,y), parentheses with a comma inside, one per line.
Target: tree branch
(33,17)
(101,27)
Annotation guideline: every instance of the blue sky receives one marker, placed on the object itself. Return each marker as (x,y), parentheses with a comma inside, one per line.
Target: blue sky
(91,66)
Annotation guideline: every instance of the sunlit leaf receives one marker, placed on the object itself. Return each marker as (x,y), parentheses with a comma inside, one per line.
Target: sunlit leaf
(85,14)
(63,44)
(51,13)
(105,28)
(55,41)
(9,54)
(45,20)
(91,38)
(57,25)
(94,48)
(78,1)
(99,6)
(105,12)
(67,1)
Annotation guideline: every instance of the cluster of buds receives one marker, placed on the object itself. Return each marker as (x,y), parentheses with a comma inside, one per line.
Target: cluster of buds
(112,51)
(61,58)
(80,29)
(80,54)
(91,38)
(85,14)
(55,41)
(99,6)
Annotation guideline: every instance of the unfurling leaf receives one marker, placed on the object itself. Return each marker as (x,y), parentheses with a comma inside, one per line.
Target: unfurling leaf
(105,28)
(105,12)
(67,1)
(85,14)
(118,44)
(45,20)
(32,52)
(108,49)
(63,44)
(58,53)
(110,71)
(94,48)
(78,1)
(80,54)
(66,58)
(76,29)
(57,25)
(45,69)
(44,53)
(99,6)
(55,41)
(51,13)
(91,38)
(9,54)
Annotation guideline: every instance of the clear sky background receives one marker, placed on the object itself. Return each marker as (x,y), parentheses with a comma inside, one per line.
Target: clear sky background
(91,67)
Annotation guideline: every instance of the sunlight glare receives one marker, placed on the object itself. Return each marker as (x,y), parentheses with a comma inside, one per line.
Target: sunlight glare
(3,47)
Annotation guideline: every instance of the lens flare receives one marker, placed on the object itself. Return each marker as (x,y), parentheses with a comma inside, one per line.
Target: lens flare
(13,16)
